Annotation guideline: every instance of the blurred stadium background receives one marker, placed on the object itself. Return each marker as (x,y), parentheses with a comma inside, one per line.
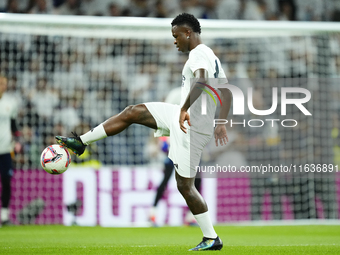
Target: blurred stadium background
(72,72)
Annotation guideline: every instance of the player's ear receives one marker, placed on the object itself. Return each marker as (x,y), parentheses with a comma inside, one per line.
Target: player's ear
(188,33)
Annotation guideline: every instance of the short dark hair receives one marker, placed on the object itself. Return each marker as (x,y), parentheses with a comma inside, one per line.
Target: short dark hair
(187,19)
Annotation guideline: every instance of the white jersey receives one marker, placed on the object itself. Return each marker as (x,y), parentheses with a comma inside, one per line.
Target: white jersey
(174,96)
(201,57)
(8,111)
(185,148)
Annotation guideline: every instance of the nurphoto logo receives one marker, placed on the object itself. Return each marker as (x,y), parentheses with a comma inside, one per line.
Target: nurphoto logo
(238,105)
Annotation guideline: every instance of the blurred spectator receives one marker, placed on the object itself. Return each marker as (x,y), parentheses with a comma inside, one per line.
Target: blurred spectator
(69,7)
(138,8)
(287,10)
(13,89)
(272,7)
(30,5)
(44,52)
(312,10)
(254,10)
(3,5)
(300,53)
(44,99)
(15,6)
(102,62)
(29,116)
(159,11)
(210,9)
(96,7)
(114,10)
(337,66)
(145,83)
(68,113)
(41,7)
(190,6)
(29,156)
(99,101)
(29,77)
(229,9)
(70,74)
(335,16)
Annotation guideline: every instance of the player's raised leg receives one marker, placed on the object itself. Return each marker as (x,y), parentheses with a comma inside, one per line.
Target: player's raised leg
(198,207)
(138,114)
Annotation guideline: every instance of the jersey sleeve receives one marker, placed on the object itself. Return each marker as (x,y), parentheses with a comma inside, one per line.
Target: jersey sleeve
(197,60)
(14,110)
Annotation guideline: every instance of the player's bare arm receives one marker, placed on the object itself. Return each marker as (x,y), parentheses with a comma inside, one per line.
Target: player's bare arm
(221,130)
(201,76)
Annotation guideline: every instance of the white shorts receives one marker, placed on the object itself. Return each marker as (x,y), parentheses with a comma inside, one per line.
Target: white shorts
(185,148)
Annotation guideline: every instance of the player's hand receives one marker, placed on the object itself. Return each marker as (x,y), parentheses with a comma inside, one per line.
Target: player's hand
(17,147)
(221,135)
(184,116)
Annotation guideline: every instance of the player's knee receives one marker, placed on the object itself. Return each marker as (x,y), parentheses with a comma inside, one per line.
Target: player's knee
(132,113)
(129,113)
(183,187)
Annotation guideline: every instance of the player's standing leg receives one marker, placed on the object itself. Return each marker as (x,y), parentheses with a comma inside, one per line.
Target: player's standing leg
(168,169)
(190,220)
(198,207)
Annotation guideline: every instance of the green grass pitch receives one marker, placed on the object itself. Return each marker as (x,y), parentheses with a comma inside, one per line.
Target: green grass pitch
(55,239)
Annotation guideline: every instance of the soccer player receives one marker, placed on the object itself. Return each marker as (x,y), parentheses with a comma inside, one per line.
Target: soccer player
(174,97)
(8,110)
(174,121)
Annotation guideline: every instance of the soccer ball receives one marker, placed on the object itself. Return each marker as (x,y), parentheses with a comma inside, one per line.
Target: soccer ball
(55,159)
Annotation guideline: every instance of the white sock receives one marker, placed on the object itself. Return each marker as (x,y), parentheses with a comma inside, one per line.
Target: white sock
(205,224)
(93,135)
(4,214)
